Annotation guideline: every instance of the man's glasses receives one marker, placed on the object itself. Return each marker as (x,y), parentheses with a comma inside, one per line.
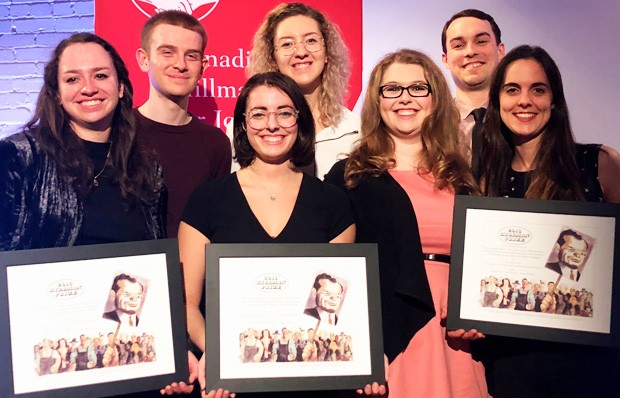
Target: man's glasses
(395,91)
(288,46)
(258,119)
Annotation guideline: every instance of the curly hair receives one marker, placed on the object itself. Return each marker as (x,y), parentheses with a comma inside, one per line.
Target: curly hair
(50,125)
(556,174)
(442,153)
(333,89)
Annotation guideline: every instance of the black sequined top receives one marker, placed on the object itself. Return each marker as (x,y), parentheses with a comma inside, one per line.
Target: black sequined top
(587,161)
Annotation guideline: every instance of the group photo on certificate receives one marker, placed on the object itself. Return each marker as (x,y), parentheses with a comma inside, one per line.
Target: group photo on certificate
(309,199)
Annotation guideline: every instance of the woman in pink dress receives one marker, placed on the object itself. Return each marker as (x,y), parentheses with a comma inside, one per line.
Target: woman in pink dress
(410,158)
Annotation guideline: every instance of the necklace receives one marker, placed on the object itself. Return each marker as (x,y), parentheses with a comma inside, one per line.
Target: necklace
(401,160)
(107,157)
(272,195)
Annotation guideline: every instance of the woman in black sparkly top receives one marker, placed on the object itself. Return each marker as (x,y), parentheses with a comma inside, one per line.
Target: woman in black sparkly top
(75,174)
(529,152)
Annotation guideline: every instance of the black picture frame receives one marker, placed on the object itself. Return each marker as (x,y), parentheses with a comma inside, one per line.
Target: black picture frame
(242,276)
(70,290)
(503,240)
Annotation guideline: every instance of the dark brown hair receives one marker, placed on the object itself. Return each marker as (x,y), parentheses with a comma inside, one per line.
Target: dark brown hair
(556,175)
(302,153)
(50,125)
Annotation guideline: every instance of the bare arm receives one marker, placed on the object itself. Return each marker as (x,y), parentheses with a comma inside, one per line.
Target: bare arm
(346,236)
(608,171)
(192,252)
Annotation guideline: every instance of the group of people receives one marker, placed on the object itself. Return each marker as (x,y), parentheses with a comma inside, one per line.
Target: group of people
(537,297)
(95,352)
(296,346)
(90,169)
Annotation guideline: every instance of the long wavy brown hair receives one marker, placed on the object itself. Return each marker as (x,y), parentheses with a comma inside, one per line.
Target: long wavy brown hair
(556,174)
(333,89)
(442,154)
(133,167)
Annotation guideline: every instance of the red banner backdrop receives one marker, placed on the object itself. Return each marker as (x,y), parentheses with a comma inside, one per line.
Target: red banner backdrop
(230,25)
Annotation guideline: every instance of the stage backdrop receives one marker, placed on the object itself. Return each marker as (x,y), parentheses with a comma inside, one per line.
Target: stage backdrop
(230,26)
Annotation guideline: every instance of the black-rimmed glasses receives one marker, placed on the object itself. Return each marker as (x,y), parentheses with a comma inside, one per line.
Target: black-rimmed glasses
(258,119)
(414,90)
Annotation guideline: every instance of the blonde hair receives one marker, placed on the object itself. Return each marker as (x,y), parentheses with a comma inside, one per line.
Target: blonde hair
(442,153)
(333,88)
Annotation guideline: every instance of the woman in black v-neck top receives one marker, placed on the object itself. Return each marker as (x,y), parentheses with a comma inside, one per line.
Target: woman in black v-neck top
(269,200)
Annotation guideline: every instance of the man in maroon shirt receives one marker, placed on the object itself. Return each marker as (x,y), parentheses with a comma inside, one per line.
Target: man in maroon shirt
(189,149)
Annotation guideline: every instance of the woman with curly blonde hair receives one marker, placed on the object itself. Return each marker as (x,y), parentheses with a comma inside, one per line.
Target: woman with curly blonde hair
(410,158)
(298,41)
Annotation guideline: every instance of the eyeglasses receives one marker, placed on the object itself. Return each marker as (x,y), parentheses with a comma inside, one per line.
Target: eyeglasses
(288,46)
(258,119)
(395,91)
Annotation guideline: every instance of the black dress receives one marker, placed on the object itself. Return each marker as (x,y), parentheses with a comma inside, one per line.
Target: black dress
(532,368)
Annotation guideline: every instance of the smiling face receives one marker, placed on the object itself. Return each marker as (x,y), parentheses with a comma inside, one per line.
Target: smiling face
(525,100)
(305,67)
(273,143)
(472,53)
(403,116)
(129,297)
(329,296)
(174,60)
(573,252)
(88,90)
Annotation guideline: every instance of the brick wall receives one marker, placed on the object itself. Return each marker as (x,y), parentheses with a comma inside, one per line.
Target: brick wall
(29,31)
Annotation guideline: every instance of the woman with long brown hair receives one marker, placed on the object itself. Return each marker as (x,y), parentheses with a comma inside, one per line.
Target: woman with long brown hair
(529,151)
(410,158)
(76,174)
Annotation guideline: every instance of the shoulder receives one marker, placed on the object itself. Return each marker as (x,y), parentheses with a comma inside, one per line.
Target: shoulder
(608,171)
(335,176)
(212,189)
(18,148)
(348,126)
(207,128)
(349,118)
(323,189)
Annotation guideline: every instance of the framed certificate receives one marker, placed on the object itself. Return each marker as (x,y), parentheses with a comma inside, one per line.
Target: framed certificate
(545,270)
(91,321)
(292,317)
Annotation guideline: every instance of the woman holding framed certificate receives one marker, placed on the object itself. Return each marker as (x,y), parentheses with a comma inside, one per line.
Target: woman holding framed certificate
(410,158)
(529,152)
(269,200)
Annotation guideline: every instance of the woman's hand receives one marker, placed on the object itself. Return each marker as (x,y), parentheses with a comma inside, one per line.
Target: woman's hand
(181,387)
(219,393)
(472,334)
(463,334)
(375,389)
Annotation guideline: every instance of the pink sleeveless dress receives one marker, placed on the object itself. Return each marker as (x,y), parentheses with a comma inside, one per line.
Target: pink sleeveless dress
(434,365)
